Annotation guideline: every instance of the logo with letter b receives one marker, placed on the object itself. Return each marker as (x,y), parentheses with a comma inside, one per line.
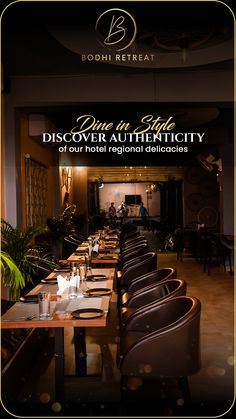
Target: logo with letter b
(117,29)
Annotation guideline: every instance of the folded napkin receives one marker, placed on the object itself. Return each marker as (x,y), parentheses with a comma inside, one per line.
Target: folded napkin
(64,284)
(95,248)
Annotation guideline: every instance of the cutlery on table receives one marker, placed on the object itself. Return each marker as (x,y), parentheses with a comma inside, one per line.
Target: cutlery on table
(30,317)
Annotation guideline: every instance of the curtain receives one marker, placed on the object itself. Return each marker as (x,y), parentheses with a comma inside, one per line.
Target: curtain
(171,204)
(36,192)
(93,198)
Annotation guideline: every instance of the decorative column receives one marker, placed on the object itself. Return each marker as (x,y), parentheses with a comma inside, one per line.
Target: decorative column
(79,192)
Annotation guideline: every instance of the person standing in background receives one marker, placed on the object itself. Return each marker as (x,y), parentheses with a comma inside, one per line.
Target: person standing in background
(143,214)
(122,211)
(112,215)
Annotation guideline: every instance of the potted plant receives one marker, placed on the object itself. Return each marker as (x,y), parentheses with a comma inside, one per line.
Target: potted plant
(18,249)
(60,226)
(97,221)
(11,275)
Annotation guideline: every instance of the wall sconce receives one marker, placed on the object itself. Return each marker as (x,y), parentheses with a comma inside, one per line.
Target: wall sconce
(208,162)
(151,188)
(100,182)
(66,175)
(154,187)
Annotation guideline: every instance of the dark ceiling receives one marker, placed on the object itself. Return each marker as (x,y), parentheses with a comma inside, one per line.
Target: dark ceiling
(29,48)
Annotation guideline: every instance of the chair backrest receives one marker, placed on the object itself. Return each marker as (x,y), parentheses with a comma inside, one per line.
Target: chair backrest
(128,235)
(158,275)
(132,242)
(147,264)
(74,239)
(157,292)
(135,260)
(139,249)
(133,247)
(215,248)
(69,246)
(80,236)
(42,270)
(167,340)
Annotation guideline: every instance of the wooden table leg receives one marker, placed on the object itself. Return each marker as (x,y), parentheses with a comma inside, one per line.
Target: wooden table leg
(80,351)
(59,363)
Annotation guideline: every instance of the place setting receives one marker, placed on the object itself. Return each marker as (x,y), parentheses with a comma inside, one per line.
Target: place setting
(82,283)
(33,299)
(21,312)
(50,281)
(107,256)
(32,307)
(90,276)
(81,308)
(94,292)
(87,313)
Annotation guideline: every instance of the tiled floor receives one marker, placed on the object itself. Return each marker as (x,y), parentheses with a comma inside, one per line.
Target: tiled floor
(99,395)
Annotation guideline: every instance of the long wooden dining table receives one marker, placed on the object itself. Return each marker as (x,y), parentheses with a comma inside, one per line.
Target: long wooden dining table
(26,315)
(107,253)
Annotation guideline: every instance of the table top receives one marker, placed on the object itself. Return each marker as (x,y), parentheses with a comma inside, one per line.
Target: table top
(108,272)
(108,246)
(107,258)
(61,308)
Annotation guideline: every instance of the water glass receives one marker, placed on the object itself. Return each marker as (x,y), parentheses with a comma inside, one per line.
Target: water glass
(88,261)
(72,292)
(82,273)
(44,305)
(73,268)
(89,271)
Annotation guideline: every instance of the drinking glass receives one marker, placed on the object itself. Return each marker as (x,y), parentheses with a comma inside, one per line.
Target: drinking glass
(73,268)
(44,305)
(72,292)
(82,274)
(88,261)
(89,271)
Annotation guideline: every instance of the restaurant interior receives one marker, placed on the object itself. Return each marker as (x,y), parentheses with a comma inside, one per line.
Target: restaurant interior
(64,197)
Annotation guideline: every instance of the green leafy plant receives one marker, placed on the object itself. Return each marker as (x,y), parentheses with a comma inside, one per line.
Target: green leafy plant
(97,221)
(18,245)
(11,275)
(63,225)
